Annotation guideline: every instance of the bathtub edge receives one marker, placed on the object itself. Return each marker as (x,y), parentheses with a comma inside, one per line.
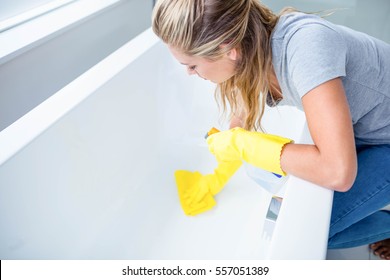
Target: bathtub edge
(20,133)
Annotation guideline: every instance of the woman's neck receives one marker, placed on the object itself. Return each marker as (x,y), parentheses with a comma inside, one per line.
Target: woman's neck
(275,89)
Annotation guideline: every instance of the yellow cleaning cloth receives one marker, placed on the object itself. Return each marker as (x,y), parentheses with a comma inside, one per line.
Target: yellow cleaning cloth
(196,191)
(187,182)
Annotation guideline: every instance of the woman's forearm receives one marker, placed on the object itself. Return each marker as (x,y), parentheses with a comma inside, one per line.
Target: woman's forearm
(307,162)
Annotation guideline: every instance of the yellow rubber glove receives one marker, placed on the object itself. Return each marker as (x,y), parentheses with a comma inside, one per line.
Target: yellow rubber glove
(196,191)
(259,149)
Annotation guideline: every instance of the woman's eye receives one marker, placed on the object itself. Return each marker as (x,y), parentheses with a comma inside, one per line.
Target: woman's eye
(192,68)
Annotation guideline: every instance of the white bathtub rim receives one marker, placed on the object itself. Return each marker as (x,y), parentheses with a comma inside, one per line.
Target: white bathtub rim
(20,133)
(312,244)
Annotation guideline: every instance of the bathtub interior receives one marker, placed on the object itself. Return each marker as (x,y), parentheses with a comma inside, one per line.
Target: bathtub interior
(98,182)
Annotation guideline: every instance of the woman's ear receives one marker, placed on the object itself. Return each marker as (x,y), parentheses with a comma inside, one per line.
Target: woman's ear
(233,54)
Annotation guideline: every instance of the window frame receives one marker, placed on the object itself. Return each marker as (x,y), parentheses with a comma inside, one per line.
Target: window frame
(30,14)
(27,34)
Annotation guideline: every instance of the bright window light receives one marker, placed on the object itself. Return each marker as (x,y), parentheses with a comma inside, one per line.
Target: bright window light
(15,12)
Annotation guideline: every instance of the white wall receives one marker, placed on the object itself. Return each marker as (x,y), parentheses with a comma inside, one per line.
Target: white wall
(9,8)
(371,17)
(33,76)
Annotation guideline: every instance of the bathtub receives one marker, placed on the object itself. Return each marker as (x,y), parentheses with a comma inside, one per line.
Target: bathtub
(88,174)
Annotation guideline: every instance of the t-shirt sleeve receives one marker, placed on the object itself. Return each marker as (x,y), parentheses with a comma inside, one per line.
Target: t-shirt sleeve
(315,54)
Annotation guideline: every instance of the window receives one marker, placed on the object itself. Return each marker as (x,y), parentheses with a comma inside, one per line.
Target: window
(15,12)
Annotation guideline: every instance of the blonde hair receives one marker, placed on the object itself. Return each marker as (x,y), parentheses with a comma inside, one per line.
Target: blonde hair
(200,27)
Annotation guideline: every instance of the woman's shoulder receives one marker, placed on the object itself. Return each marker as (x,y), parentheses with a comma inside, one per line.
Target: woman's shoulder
(290,23)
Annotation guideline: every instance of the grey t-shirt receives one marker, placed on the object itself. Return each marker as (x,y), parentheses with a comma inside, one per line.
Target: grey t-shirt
(308,51)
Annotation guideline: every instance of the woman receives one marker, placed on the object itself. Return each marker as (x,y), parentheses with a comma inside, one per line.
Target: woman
(340,78)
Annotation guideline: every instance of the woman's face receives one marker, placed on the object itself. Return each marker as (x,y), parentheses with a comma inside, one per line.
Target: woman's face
(217,71)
